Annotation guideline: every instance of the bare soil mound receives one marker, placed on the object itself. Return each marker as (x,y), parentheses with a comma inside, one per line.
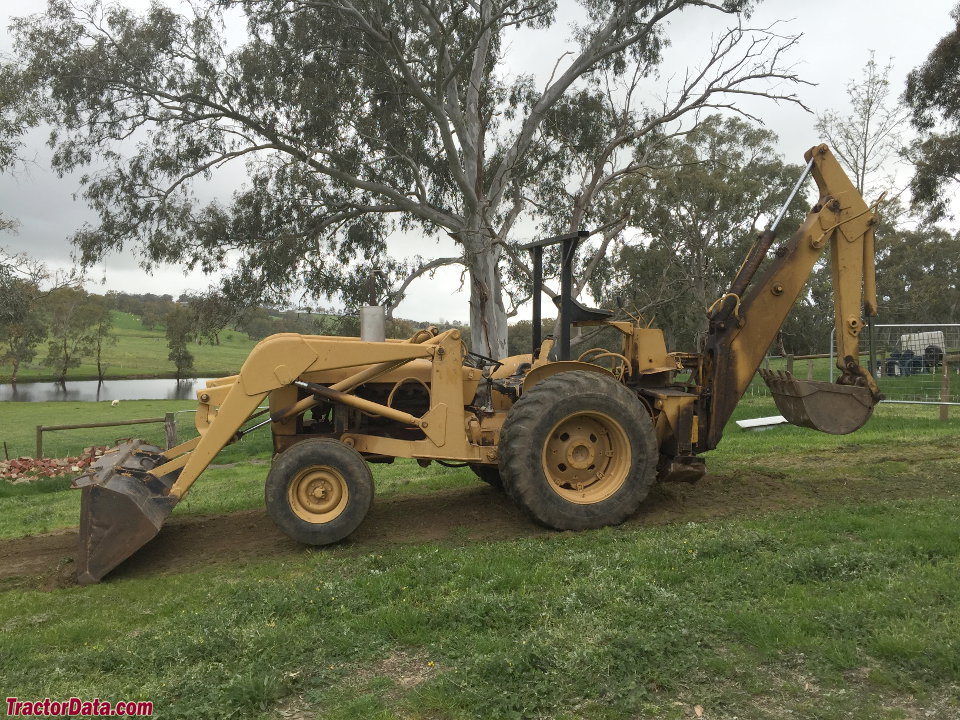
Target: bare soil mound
(463,515)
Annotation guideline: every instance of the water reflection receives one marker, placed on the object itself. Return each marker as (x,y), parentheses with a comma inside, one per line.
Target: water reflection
(91,390)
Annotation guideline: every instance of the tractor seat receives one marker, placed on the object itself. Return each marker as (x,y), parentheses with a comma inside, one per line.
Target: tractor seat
(582,313)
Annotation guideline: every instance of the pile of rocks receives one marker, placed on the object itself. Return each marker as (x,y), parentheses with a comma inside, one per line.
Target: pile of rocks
(26,469)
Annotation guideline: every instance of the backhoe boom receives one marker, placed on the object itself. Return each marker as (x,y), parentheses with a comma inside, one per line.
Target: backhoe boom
(742,328)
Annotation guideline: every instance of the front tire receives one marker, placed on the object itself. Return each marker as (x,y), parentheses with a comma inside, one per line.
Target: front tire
(578,451)
(319,491)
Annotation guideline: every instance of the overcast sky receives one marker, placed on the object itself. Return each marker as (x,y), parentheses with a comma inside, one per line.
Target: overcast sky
(837,38)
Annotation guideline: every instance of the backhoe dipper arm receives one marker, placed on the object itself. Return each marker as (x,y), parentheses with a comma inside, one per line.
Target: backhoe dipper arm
(741,329)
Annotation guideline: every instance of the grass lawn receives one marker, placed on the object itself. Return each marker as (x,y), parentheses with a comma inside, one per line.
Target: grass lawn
(140,352)
(843,610)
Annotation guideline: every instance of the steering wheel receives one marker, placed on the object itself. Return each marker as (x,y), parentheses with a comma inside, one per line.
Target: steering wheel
(484,360)
(619,364)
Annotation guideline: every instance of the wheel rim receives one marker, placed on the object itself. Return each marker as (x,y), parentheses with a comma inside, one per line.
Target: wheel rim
(318,494)
(586,457)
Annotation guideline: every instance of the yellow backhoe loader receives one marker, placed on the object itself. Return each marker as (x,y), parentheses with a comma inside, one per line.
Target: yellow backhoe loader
(577,443)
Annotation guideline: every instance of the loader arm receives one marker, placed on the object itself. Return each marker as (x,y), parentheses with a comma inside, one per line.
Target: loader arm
(744,321)
(131,491)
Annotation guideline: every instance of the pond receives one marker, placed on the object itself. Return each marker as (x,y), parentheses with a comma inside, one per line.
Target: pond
(87,390)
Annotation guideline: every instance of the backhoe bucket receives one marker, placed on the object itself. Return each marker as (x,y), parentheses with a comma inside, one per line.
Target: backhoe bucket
(824,406)
(122,507)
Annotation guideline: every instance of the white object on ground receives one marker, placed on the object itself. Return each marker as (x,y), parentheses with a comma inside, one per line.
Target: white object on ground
(761,423)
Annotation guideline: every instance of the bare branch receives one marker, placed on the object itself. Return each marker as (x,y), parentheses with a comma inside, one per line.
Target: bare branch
(396,295)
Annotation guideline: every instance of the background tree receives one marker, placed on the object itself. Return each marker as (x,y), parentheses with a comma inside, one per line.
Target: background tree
(101,312)
(14,93)
(933,94)
(212,312)
(154,310)
(867,138)
(919,274)
(21,331)
(179,329)
(354,119)
(72,318)
(22,321)
(697,217)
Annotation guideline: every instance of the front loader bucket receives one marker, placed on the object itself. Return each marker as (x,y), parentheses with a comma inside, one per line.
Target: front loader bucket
(122,507)
(824,406)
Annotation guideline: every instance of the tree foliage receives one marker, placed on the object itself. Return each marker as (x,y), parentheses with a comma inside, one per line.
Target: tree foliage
(23,330)
(871,134)
(918,273)
(697,217)
(180,331)
(933,94)
(101,311)
(354,119)
(72,322)
(212,312)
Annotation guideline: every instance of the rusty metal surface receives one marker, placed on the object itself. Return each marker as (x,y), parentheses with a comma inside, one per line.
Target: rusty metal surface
(121,508)
(827,407)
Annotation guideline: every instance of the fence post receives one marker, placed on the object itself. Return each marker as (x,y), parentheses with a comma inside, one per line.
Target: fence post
(39,453)
(789,363)
(170,425)
(945,391)
(809,369)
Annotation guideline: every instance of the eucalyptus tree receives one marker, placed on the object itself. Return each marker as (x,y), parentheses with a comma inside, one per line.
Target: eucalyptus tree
(353,118)
(870,136)
(695,220)
(22,329)
(22,321)
(72,329)
(933,96)
(180,330)
(920,272)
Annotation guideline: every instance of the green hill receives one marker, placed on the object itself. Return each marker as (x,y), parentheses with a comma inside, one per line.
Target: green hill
(140,352)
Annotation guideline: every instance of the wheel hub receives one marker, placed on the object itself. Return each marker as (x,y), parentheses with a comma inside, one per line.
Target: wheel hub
(587,457)
(318,494)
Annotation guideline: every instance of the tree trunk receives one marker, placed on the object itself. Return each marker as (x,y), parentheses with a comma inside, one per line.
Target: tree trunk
(99,363)
(65,361)
(488,317)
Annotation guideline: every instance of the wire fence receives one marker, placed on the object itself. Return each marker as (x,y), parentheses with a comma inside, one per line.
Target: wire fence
(69,440)
(913,363)
(917,362)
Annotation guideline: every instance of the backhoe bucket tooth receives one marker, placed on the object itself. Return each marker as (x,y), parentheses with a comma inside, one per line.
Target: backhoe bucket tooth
(824,406)
(121,508)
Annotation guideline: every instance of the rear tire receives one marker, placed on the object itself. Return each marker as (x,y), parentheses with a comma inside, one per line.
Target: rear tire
(319,491)
(578,451)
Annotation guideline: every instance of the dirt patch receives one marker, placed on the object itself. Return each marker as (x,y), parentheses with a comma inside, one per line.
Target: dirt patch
(473,514)
(405,670)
